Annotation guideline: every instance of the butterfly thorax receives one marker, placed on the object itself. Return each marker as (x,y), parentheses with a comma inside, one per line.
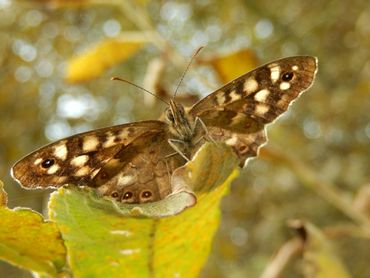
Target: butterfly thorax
(181,124)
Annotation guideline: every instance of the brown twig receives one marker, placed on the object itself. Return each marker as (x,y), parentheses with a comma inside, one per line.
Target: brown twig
(153,75)
(284,255)
(309,178)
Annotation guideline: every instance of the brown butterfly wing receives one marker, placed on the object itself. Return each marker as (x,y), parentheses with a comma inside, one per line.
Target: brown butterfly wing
(78,159)
(140,172)
(238,112)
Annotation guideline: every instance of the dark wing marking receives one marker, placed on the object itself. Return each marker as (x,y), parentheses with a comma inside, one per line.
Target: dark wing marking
(78,158)
(240,109)
(140,172)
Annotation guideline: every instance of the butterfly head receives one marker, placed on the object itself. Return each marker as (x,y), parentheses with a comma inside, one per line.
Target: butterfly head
(179,121)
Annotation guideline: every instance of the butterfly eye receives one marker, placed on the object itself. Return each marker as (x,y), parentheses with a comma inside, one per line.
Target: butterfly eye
(146,194)
(115,194)
(169,115)
(47,163)
(127,195)
(287,76)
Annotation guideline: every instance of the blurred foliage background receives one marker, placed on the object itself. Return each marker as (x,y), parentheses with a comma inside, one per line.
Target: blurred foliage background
(57,58)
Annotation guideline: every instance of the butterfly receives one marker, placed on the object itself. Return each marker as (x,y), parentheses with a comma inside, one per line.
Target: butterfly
(133,162)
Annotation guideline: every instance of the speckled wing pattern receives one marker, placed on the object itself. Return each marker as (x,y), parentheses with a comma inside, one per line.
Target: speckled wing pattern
(133,163)
(238,112)
(122,161)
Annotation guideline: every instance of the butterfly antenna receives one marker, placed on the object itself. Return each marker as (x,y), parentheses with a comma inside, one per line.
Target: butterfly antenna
(137,86)
(187,68)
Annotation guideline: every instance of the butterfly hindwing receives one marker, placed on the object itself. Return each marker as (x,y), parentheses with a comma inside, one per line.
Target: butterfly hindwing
(140,172)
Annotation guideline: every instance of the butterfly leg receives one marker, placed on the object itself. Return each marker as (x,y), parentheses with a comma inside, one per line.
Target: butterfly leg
(199,124)
(171,155)
(174,143)
(168,170)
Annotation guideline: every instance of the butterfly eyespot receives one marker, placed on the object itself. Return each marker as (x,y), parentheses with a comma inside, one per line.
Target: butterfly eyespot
(127,195)
(287,76)
(242,148)
(47,163)
(146,194)
(115,194)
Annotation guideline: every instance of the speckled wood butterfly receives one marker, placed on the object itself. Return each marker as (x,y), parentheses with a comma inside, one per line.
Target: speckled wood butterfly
(133,162)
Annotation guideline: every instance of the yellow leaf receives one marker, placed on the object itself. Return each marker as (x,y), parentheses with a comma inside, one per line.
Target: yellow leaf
(94,61)
(232,65)
(3,196)
(103,242)
(28,241)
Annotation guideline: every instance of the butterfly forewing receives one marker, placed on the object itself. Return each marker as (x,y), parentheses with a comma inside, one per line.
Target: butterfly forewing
(77,159)
(237,112)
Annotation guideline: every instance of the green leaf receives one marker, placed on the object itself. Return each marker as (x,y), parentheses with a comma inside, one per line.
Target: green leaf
(104,239)
(27,241)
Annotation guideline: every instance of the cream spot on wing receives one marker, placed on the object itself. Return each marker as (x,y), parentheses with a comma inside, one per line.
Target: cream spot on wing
(125,180)
(123,135)
(250,85)
(61,179)
(237,119)
(53,169)
(37,161)
(283,102)
(234,95)
(295,67)
(82,171)
(94,173)
(90,143)
(110,140)
(103,189)
(79,161)
(284,86)
(232,141)
(221,97)
(262,95)
(261,109)
(113,163)
(60,151)
(274,72)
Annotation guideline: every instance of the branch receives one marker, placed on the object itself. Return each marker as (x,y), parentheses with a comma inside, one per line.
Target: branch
(284,255)
(329,192)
